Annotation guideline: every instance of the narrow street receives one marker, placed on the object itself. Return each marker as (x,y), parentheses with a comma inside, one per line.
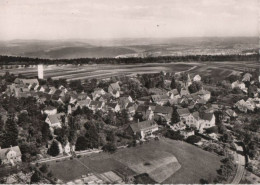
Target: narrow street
(240,161)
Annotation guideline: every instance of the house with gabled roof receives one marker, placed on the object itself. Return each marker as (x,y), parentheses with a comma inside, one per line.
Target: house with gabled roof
(145,111)
(163,112)
(246,77)
(83,103)
(10,155)
(124,101)
(114,87)
(97,93)
(173,94)
(96,105)
(185,116)
(113,106)
(53,121)
(143,129)
(160,99)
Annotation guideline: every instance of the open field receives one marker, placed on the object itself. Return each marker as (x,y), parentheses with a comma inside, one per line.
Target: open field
(218,70)
(166,161)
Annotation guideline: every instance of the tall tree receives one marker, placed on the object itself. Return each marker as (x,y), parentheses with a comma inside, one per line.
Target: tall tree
(11,133)
(54,149)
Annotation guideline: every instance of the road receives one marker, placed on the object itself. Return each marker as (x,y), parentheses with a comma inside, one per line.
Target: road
(240,159)
(68,156)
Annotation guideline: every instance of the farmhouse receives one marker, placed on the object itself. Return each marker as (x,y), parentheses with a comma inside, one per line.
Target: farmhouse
(143,129)
(10,155)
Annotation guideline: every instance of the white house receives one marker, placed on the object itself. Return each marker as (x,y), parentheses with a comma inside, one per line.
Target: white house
(240,85)
(10,155)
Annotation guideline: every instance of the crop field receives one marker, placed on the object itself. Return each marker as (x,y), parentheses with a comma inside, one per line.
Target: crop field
(218,70)
(166,161)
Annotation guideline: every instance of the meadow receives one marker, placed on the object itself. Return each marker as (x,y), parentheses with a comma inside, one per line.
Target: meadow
(166,161)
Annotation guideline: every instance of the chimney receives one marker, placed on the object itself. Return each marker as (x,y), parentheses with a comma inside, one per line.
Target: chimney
(40,71)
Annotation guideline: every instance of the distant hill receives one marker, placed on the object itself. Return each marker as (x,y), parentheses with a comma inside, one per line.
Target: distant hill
(68,49)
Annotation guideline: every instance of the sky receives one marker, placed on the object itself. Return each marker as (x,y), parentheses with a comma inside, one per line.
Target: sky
(102,19)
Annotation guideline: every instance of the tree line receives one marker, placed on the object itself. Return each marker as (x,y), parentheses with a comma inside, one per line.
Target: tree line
(17,60)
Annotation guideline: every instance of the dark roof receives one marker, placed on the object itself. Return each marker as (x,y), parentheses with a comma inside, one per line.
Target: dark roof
(183,112)
(163,109)
(142,108)
(49,108)
(206,116)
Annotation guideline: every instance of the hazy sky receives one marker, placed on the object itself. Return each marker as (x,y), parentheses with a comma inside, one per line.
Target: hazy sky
(70,19)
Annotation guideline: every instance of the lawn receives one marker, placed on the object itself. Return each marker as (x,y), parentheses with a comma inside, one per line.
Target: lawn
(67,170)
(166,161)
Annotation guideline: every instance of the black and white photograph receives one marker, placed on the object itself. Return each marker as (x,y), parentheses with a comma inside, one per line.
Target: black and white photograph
(129,92)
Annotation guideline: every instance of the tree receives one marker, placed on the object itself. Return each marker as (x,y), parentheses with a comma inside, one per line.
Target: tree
(109,147)
(175,116)
(195,87)
(46,133)
(11,133)
(81,143)
(44,168)
(173,83)
(193,139)
(35,178)
(54,149)
(175,135)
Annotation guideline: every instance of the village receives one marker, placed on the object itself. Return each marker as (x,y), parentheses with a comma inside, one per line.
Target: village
(43,120)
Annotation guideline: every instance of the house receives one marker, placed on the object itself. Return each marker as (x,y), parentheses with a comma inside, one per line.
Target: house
(50,110)
(143,129)
(197,78)
(145,111)
(10,155)
(26,81)
(131,108)
(184,92)
(97,93)
(160,99)
(163,112)
(240,85)
(115,94)
(113,107)
(244,106)
(229,115)
(173,94)
(246,77)
(52,90)
(113,87)
(178,126)
(186,117)
(83,103)
(54,121)
(124,101)
(204,120)
(204,94)
(96,105)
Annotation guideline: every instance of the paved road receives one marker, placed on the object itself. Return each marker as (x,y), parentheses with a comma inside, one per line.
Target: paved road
(240,159)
